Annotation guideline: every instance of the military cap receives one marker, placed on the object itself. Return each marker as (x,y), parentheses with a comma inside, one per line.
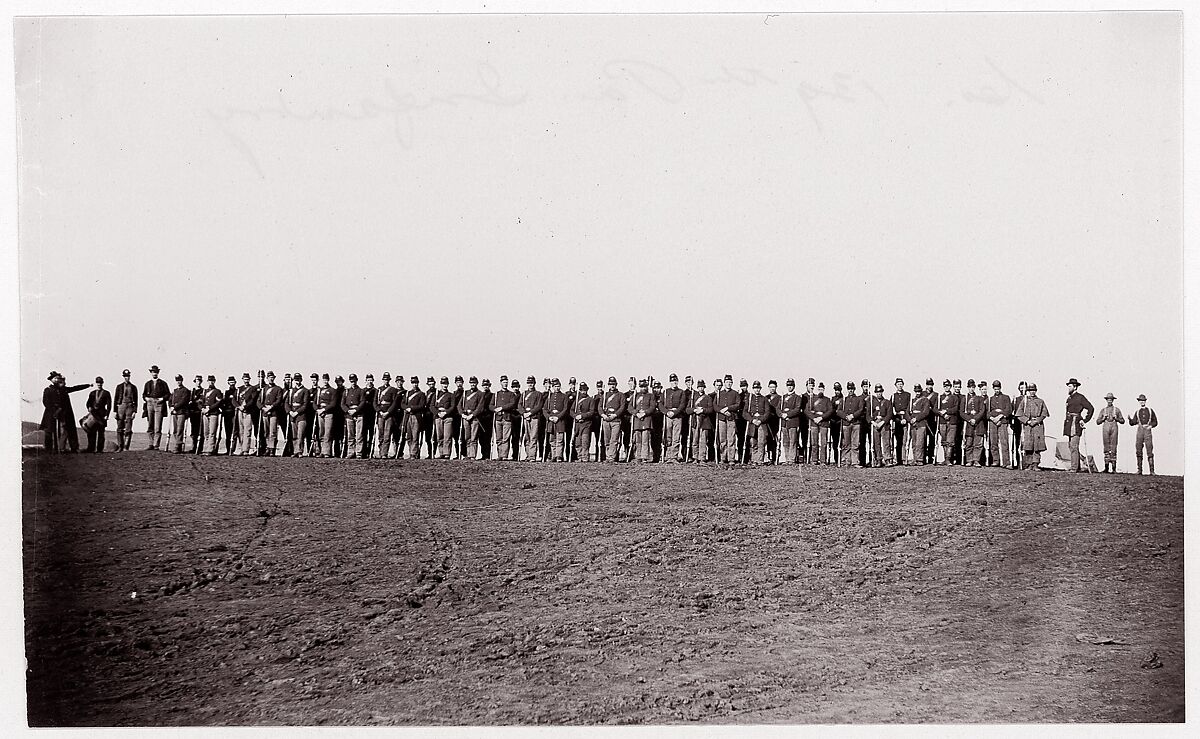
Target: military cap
(261,373)
(245,375)
(315,376)
(657,385)
(324,375)
(688,378)
(153,368)
(958,382)
(445,380)
(571,381)
(125,373)
(1074,382)
(271,373)
(945,383)
(773,383)
(179,378)
(728,378)
(503,378)
(673,377)
(701,384)
(1031,386)
(99,380)
(339,379)
(612,380)
(458,378)
(865,383)
(231,378)
(641,383)
(368,377)
(970,383)
(850,384)
(837,386)
(353,377)
(928,380)
(917,387)
(757,384)
(1141,396)
(790,382)
(742,383)
(878,388)
(899,380)
(531,380)
(809,381)
(583,386)
(197,377)
(487,382)
(1110,396)
(516,383)
(414,379)
(287,375)
(555,382)
(429,380)
(473,378)
(211,378)
(821,385)
(297,376)
(385,375)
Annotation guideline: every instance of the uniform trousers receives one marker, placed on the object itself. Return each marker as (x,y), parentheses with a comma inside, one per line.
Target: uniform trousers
(1109,433)
(155,412)
(195,429)
(326,429)
(473,429)
(851,440)
(533,429)
(1144,441)
(270,432)
(672,438)
(999,443)
(1073,445)
(125,415)
(211,433)
(901,437)
(412,431)
(973,441)
(504,434)
(354,427)
(881,444)
(444,428)
(611,436)
(247,426)
(640,445)
(727,431)
(701,443)
(228,423)
(383,433)
(95,438)
(918,442)
(558,440)
(790,438)
(818,443)
(583,441)
(300,438)
(948,431)
(366,434)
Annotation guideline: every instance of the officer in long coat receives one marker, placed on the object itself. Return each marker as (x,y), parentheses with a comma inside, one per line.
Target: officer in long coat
(1032,414)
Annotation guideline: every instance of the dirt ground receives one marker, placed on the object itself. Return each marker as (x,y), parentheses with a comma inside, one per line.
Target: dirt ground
(175,590)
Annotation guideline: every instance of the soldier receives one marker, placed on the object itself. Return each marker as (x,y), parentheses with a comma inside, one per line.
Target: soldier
(743,446)
(229,413)
(314,428)
(366,413)
(958,439)
(1033,415)
(810,392)
(99,406)
(757,413)
(613,414)
(583,410)
(918,424)
(245,401)
(999,410)
(259,430)
(1015,425)
(1146,421)
(352,402)
(931,440)
(984,460)
(674,410)
(864,422)
(442,406)
(209,403)
(902,429)
(270,410)
(297,406)
(773,397)
(471,408)
(598,421)
(543,446)
(790,411)
(505,417)
(819,411)
(973,412)
(416,409)
(387,401)
(641,412)
(556,412)
(125,403)
(531,405)
(285,419)
(339,418)
(1110,419)
(155,397)
(1079,412)
(728,403)
(324,404)
(880,413)
(851,412)
(948,415)
(835,425)
(181,408)
(195,414)
(485,420)
(400,417)
(700,408)
(52,413)
(572,393)
(458,437)
(627,420)
(685,439)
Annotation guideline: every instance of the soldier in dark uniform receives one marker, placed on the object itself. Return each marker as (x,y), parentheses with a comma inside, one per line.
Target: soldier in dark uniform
(1146,420)
(504,412)
(948,416)
(352,405)
(210,402)
(583,412)
(52,413)
(999,416)
(416,410)
(324,407)
(298,406)
(612,410)
(918,421)
(700,409)
(879,413)
(486,425)
(125,405)
(819,411)
(810,392)
(245,402)
(400,417)
(598,421)
(442,406)
(181,410)
(387,400)
(757,413)
(229,413)
(1079,413)
(931,440)
(973,412)
(556,411)
(270,411)
(339,418)
(366,412)
(773,397)
(743,444)
(155,401)
(791,415)
(674,410)
(959,423)
(430,427)
(627,421)
(1015,425)
(314,428)
(99,406)
(471,407)
(685,439)
(195,414)
(572,392)
(864,423)
(641,413)
(850,411)
(836,427)
(728,405)
(285,418)
(531,405)
(260,430)
(901,430)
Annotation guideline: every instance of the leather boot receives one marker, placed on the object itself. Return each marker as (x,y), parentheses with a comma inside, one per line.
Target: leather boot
(1139,465)
(1151,460)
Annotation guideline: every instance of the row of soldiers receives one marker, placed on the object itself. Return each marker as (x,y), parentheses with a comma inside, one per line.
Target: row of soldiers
(646,422)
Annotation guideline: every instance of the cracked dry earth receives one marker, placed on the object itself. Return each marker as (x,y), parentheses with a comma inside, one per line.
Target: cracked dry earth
(289,591)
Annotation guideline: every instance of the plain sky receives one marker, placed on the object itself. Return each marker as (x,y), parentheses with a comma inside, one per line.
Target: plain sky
(841,196)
